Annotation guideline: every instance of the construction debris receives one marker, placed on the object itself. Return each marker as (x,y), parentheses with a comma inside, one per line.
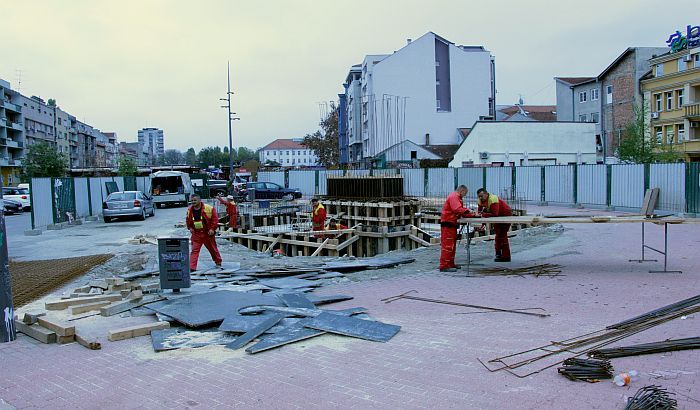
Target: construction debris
(590,370)
(651,398)
(135,331)
(546,269)
(647,348)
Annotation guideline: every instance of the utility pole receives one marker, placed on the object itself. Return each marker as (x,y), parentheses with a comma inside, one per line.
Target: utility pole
(7,329)
(230,119)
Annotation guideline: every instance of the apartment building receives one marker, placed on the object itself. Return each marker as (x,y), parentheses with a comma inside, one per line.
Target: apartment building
(672,97)
(288,153)
(12,140)
(151,144)
(423,93)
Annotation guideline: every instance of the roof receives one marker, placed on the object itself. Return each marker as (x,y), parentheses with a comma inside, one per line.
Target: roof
(535,112)
(443,151)
(575,80)
(464,132)
(284,144)
(624,54)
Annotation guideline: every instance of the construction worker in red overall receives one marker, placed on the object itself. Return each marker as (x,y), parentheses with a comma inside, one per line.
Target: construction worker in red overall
(318,216)
(491,205)
(231,210)
(451,212)
(334,225)
(202,222)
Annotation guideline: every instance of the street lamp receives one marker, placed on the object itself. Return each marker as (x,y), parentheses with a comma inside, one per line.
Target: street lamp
(230,118)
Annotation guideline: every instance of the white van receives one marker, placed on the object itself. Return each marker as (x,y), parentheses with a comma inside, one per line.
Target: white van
(171,187)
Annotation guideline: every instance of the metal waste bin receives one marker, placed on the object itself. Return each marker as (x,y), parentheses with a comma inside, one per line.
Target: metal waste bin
(174,263)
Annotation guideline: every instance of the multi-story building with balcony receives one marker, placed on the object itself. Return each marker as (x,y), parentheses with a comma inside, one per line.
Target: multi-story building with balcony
(12,139)
(672,101)
(152,145)
(39,124)
(421,94)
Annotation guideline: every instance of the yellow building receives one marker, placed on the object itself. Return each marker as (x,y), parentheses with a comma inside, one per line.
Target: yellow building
(672,101)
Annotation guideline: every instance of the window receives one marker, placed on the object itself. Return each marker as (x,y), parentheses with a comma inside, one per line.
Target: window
(437,103)
(669,134)
(679,94)
(582,97)
(609,94)
(696,61)
(293,152)
(287,160)
(669,101)
(595,117)
(594,94)
(287,154)
(659,70)
(681,132)
(437,63)
(682,64)
(582,118)
(657,102)
(298,152)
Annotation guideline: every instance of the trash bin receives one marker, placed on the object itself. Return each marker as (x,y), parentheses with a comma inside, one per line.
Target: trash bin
(174,263)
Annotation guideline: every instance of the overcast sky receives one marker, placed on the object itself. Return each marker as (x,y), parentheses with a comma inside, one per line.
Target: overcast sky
(124,65)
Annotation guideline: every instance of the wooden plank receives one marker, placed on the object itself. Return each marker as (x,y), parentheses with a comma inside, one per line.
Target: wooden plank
(135,331)
(36,332)
(419,240)
(89,342)
(61,329)
(272,245)
(119,307)
(64,304)
(32,317)
(347,243)
(62,340)
(88,307)
(320,248)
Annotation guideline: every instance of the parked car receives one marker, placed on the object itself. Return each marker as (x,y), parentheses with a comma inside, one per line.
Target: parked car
(11,206)
(128,203)
(18,194)
(269,190)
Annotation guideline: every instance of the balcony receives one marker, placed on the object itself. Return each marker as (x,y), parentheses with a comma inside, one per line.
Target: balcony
(3,141)
(692,110)
(8,105)
(12,144)
(4,162)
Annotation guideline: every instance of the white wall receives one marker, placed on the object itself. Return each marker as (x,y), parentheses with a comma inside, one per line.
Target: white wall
(301,157)
(410,72)
(528,143)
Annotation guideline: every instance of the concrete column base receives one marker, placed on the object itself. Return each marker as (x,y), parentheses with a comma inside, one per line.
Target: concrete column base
(32,232)
(91,219)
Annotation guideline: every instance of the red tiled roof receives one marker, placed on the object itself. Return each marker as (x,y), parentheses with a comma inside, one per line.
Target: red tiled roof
(536,112)
(284,144)
(575,80)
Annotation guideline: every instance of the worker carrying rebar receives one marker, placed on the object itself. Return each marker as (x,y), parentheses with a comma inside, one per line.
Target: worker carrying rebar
(202,222)
(318,216)
(452,210)
(491,205)
(231,210)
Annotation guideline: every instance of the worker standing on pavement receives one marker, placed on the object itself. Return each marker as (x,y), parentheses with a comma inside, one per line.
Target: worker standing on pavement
(318,215)
(231,210)
(491,205)
(451,212)
(202,222)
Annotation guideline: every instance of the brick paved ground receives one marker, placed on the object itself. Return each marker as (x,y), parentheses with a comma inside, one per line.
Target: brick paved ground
(431,363)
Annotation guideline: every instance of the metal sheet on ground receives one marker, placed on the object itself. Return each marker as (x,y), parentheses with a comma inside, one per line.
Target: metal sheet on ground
(243,323)
(248,336)
(291,334)
(210,307)
(324,300)
(296,300)
(349,326)
(171,339)
(288,283)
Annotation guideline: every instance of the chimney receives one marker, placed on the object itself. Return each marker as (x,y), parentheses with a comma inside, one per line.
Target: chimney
(427,139)
(408,41)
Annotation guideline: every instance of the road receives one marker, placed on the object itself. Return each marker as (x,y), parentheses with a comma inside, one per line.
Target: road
(89,238)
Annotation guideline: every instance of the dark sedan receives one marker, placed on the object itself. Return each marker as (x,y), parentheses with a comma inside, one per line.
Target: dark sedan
(11,207)
(269,190)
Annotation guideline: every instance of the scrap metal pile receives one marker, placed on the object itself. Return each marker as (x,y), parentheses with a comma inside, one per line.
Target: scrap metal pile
(590,370)
(651,398)
(546,269)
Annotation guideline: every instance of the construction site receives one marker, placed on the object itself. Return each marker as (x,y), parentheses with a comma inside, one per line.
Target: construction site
(596,309)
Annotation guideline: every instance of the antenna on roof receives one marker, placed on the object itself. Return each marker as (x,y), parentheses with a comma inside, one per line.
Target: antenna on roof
(18,76)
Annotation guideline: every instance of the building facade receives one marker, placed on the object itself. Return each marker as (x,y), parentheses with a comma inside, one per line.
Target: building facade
(423,93)
(672,101)
(288,153)
(12,138)
(152,146)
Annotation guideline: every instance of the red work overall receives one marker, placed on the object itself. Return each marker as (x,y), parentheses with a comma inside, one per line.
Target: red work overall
(200,227)
(318,219)
(231,211)
(495,206)
(451,211)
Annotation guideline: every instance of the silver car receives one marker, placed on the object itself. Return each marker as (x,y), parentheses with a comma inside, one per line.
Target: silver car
(127,203)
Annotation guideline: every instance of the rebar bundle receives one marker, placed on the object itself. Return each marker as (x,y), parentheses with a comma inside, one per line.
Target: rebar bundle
(651,398)
(583,344)
(590,370)
(647,348)
(545,269)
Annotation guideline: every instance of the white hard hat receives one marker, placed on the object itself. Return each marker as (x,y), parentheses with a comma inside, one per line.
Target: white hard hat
(230,197)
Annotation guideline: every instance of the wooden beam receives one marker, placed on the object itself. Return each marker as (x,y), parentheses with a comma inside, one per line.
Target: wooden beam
(272,245)
(61,329)
(320,248)
(135,331)
(347,243)
(90,343)
(36,332)
(64,304)
(88,307)
(419,240)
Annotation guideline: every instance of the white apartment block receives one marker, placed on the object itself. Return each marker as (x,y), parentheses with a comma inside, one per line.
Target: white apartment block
(151,145)
(288,153)
(423,93)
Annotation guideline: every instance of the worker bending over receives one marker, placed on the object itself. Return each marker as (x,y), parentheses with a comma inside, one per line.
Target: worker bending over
(491,205)
(231,210)
(202,222)
(451,212)
(318,216)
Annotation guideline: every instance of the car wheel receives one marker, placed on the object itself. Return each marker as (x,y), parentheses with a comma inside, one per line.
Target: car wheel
(107,219)
(153,211)
(142,217)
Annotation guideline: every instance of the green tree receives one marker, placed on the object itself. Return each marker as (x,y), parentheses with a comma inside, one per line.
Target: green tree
(173,157)
(42,160)
(213,156)
(190,157)
(245,154)
(637,145)
(324,142)
(126,167)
